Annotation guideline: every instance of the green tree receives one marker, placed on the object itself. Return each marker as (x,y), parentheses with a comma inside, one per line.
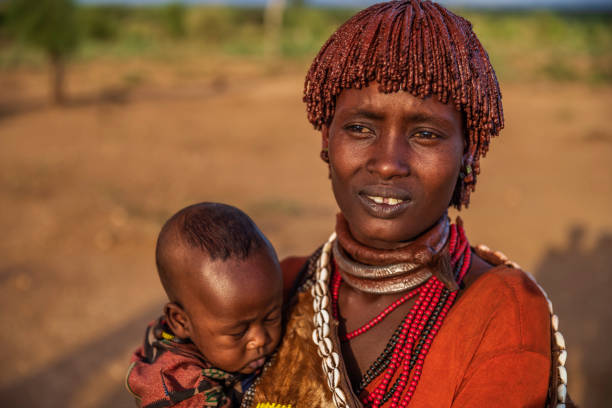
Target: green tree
(173,18)
(50,25)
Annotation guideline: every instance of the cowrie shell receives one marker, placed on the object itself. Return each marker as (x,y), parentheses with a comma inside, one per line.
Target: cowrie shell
(323,331)
(332,360)
(315,336)
(501,256)
(324,258)
(559,340)
(327,344)
(324,302)
(554,321)
(338,392)
(324,315)
(562,374)
(320,288)
(562,357)
(323,351)
(561,392)
(336,357)
(550,307)
(336,377)
(329,362)
(316,304)
(323,274)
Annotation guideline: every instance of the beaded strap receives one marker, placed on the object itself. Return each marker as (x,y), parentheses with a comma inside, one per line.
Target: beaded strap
(557,394)
(321,333)
(249,395)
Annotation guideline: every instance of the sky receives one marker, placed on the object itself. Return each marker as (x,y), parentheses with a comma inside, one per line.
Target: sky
(474,3)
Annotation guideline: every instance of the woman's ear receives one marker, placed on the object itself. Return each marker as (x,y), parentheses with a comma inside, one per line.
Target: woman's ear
(465,159)
(324,137)
(177,320)
(325,145)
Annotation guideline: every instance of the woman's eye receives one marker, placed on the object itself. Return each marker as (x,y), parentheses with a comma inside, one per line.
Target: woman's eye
(424,134)
(359,129)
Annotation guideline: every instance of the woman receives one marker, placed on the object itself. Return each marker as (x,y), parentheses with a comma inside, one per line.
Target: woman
(397,308)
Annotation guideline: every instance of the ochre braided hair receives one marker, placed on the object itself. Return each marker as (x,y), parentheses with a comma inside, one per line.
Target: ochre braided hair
(419,47)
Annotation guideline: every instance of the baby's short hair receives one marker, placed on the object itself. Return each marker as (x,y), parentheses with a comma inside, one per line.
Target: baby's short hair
(219,231)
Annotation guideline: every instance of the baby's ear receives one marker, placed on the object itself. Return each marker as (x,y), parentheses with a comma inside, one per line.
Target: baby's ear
(178,320)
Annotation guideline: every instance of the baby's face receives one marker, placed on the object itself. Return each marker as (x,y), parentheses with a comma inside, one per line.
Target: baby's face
(236,317)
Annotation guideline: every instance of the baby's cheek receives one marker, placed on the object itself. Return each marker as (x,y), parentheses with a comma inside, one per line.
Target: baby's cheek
(276,337)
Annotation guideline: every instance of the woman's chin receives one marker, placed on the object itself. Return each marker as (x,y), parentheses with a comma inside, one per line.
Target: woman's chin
(390,233)
(384,238)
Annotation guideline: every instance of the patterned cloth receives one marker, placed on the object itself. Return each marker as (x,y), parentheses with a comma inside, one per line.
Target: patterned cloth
(169,372)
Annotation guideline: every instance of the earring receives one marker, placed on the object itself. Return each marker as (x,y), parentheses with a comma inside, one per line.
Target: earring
(325,154)
(466,174)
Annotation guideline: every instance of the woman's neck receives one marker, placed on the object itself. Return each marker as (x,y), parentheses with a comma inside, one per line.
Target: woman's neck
(376,270)
(421,250)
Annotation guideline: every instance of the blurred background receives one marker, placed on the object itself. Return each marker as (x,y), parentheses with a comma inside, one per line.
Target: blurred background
(114,115)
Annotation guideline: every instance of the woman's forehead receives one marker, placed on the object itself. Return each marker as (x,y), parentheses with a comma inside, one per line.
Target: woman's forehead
(370,102)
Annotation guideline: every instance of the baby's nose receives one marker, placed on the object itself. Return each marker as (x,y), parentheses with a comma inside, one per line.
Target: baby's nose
(258,339)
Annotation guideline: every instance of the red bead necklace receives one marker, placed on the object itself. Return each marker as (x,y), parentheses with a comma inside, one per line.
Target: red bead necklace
(417,330)
(337,281)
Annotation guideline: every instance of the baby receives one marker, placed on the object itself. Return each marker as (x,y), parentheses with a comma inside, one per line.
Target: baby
(223,318)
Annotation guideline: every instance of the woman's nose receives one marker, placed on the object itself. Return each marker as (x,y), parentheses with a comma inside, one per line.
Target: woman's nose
(389,158)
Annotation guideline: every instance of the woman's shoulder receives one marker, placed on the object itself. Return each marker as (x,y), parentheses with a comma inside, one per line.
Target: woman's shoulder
(292,267)
(292,264)
(498,273)
(510,300)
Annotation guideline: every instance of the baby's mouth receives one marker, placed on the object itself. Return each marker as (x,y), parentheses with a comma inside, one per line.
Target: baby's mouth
(257,364)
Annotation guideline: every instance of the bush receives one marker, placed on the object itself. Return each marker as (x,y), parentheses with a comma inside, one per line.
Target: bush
(173,19)
(101,23)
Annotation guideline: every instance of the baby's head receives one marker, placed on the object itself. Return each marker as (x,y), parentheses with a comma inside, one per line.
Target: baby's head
(224,285)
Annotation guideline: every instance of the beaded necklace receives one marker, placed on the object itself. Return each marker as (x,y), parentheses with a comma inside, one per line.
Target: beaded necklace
(406,350)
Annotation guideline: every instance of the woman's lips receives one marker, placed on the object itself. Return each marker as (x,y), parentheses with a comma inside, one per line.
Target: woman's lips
(384,201)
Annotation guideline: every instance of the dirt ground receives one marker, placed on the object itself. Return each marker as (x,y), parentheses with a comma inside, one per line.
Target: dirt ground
(84,189)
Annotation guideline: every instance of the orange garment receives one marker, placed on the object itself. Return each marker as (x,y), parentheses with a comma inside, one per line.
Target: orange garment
(493,350)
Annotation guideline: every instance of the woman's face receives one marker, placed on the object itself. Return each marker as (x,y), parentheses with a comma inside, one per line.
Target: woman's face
(394,161)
